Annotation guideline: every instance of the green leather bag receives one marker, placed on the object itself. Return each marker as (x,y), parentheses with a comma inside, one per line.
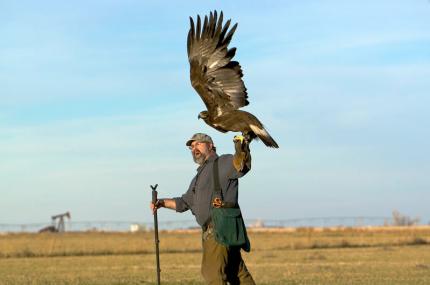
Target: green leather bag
(229,227)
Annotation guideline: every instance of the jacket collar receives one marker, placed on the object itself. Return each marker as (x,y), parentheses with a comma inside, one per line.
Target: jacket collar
(211,159)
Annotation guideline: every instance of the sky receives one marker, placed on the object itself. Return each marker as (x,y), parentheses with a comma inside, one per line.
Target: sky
(96,105)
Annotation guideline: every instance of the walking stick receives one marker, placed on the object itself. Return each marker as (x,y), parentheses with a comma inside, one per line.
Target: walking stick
(157,241)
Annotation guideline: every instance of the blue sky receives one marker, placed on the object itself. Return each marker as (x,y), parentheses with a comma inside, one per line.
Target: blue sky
(96,105)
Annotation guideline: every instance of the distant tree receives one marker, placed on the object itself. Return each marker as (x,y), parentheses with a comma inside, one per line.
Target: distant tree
(403,220)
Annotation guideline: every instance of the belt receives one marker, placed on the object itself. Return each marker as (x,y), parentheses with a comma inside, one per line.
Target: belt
(219,203)
(229,205)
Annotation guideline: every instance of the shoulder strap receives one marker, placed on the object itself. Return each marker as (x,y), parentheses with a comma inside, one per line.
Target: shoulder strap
(217,187)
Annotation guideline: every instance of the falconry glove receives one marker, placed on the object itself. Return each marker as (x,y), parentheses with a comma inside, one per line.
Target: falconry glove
(242,156)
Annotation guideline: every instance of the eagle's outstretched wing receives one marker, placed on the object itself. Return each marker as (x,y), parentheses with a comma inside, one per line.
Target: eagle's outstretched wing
(215,77)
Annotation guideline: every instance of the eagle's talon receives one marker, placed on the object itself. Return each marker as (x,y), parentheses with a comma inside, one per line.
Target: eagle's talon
(248,137)
(238,138)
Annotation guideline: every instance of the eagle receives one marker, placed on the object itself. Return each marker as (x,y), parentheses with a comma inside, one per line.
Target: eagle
(218,79)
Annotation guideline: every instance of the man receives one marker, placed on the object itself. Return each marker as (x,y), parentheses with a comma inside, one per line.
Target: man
(220,264)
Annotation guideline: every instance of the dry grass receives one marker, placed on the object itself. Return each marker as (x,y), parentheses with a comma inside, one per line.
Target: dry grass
(100,243)
(302,256)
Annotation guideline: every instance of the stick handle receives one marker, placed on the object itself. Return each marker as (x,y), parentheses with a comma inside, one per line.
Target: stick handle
(154,196)
(154,193)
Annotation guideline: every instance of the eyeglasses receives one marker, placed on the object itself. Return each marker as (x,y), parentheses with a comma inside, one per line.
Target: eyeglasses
(194,145)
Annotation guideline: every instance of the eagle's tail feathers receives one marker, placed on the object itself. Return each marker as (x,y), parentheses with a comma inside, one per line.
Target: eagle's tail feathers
(264,136)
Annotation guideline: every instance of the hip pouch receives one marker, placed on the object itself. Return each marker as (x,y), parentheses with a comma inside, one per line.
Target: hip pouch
(229,227)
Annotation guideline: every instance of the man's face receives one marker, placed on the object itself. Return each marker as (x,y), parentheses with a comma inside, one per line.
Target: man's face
(200,151)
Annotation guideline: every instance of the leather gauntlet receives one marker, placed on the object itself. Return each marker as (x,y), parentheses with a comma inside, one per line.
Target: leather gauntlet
(242,156)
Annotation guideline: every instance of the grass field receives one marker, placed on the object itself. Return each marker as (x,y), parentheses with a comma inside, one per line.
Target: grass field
(302,256)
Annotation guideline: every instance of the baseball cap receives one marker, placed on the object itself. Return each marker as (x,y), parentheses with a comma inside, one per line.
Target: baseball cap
(199,137)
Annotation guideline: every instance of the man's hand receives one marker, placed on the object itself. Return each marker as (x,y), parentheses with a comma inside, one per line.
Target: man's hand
(157,205)
(163,203)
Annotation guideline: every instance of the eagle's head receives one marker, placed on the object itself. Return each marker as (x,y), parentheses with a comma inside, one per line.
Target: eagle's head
(203,115)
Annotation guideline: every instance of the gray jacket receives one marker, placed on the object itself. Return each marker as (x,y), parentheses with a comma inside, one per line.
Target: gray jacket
(199,195)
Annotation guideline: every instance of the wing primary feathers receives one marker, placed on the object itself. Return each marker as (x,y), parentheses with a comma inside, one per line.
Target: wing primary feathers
(218,26)
(205,28)
(209,28)
(190,36)
(192,26)
(215,20)
(198,28)
(189,41)
(227,38)
(230,53)
(223,32)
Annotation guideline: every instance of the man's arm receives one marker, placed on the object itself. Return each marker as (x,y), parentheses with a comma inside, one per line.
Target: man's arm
(163,203)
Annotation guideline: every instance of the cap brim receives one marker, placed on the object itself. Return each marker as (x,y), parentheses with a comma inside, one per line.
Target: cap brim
(189,142)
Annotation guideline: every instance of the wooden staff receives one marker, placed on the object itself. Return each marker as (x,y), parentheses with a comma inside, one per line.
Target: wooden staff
(157,241)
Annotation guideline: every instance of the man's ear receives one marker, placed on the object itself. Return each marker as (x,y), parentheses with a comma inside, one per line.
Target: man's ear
(211,146)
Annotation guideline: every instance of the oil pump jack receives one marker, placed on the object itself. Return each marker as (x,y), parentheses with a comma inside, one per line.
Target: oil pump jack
(57,227)
(60,225)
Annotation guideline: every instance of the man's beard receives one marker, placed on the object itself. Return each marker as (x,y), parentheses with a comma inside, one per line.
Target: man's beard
(199,159)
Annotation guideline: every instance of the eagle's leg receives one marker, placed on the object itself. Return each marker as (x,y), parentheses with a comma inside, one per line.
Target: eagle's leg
(249,136)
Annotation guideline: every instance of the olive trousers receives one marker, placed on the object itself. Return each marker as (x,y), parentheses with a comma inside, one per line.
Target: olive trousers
(221,264)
